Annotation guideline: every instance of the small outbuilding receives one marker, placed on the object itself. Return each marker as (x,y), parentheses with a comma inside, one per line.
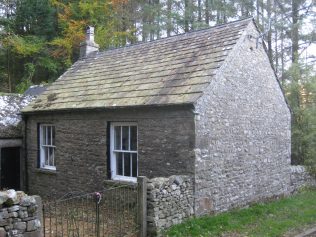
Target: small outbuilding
(206,104)
(11,136)
(11,139)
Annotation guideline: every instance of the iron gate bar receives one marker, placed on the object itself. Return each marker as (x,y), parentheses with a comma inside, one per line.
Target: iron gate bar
(98,200)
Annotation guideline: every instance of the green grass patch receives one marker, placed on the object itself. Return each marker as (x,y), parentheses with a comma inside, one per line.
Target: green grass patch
(263,219)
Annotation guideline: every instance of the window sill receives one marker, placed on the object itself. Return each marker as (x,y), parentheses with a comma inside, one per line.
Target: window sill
(46,171)
(112,182)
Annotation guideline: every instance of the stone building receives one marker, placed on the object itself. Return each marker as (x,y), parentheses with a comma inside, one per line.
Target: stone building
(205,104)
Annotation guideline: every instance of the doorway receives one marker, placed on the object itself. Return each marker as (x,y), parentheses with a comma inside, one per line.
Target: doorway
(10,168)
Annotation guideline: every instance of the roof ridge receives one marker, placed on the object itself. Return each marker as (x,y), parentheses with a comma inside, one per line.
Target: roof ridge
(100,53)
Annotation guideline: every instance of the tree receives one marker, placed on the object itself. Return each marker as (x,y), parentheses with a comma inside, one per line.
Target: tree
(26,30)
(7,12)
(35,17)
(301,93)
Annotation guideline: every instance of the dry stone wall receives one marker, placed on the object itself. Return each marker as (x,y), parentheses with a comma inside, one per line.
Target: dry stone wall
(301,178)
(169,201)
(20,214)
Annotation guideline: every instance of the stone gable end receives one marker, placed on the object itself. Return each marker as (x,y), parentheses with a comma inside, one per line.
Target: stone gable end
(242,132)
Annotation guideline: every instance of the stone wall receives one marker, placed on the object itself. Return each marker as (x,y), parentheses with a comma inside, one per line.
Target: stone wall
(20,215)
(169,201)
(243,135)
(165,146)
(301,178)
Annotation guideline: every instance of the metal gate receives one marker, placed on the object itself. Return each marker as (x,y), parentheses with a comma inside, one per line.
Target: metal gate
(110,212)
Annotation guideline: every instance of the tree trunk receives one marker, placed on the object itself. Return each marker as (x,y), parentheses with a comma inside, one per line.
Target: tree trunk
(152,20)
(191,15)
(282,50)
(169,11)
(294,35)
(199,11)
(207,12)
(257,11)
(276,50)
(157,3)
(242,9)
(262,14)
(186,15)
(144,22)
(224,13)
(269,36)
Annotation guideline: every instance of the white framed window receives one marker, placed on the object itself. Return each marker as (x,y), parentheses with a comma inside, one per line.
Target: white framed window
(124,155)
(47,146)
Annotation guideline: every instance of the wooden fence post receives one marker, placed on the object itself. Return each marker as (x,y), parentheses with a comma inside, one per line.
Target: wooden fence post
(142,211)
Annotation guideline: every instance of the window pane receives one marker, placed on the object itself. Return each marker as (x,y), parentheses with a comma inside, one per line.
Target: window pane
(133,138)
(125,138)
(48,135)
(44,135)
(119,163)
(46,155)
(53,135)
(53,156)
(134,164)
(127,164)
(117,139)
(50,156)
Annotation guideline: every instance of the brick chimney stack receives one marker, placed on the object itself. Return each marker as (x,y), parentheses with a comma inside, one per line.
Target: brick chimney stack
(88,46)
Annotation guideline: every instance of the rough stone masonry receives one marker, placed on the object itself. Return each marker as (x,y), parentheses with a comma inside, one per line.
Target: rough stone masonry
(19,214)
(243,134)
(172,200)
(169,201)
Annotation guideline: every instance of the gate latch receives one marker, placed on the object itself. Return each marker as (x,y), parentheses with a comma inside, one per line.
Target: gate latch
(98,197)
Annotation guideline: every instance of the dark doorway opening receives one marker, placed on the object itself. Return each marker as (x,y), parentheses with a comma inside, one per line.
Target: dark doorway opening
(10,168)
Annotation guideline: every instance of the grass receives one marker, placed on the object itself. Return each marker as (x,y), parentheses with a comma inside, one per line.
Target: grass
(283,217)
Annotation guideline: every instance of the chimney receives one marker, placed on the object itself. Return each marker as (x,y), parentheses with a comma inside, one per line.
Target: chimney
(88,46)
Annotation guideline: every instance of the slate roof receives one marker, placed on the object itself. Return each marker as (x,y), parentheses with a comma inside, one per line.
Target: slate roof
(172,70)
(10,118)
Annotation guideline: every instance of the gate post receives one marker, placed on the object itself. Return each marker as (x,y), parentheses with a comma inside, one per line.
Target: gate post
(142,209)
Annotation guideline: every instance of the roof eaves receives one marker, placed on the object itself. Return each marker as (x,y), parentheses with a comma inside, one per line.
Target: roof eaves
(45,111)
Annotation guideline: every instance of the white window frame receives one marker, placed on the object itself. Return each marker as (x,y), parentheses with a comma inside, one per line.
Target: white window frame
(113,153)
(44,156)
